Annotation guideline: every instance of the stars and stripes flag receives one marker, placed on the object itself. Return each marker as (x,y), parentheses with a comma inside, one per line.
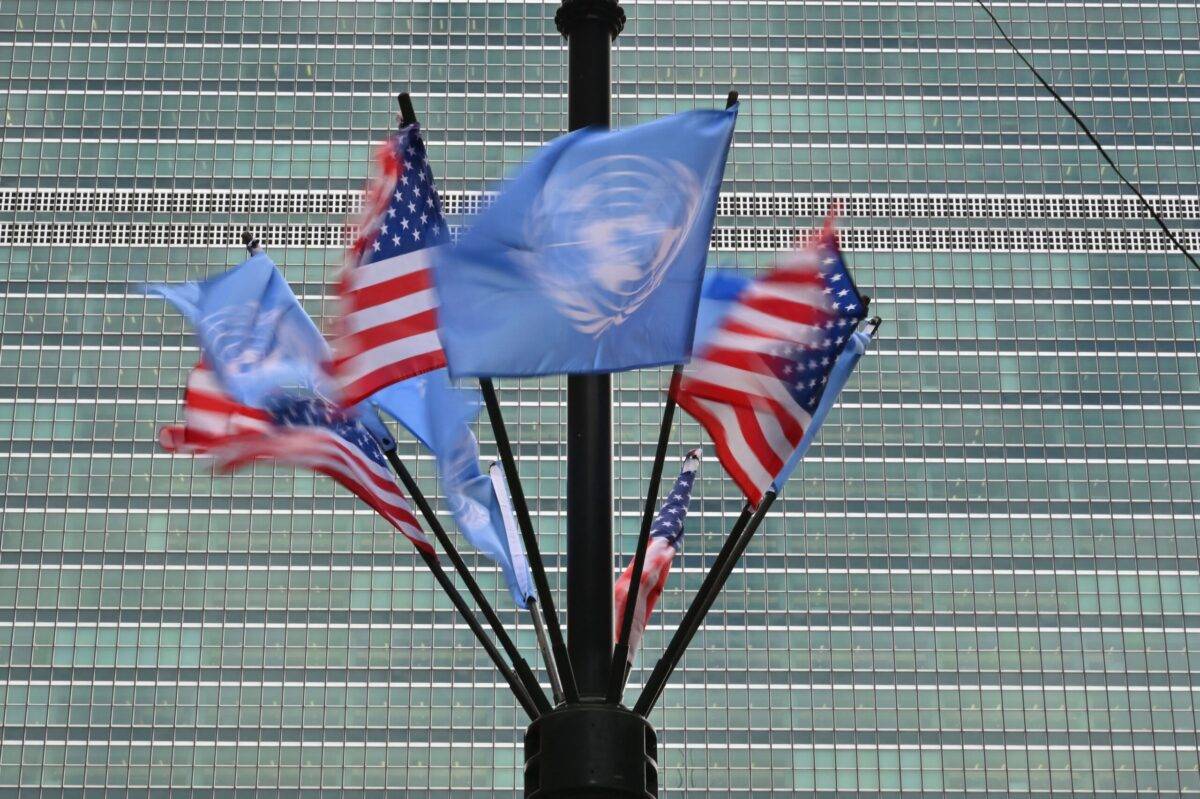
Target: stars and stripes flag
(756,381)
(296,430)
(666,537)
(388,331)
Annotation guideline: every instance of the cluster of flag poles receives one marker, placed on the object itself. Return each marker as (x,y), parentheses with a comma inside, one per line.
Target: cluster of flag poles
(599,246)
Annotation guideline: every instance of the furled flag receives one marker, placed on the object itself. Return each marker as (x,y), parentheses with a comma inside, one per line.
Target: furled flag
(758,379)
(296,430)
(666,535)
(388,331)
(253,332)
(591,258)
(439,414)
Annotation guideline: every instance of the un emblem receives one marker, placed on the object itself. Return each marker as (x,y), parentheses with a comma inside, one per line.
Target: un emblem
(602,236)
(240,336)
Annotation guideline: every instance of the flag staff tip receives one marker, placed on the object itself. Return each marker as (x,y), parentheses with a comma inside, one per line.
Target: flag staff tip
(408,114)
(731,98)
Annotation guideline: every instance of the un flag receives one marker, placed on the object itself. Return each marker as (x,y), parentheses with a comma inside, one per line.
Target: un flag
(591,258)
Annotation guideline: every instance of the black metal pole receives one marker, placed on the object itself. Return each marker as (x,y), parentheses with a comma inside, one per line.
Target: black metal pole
(590,27)
(735,544)
(460,604)
(524,672)
(617,670)
(532,551)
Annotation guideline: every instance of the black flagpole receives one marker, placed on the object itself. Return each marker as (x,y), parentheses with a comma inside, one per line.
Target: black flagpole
(619,671)
(739,538)
(714,581)
(443,579)
(532,552)
(524,672)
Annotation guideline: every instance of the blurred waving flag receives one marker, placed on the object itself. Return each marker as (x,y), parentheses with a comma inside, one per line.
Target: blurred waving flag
(855,348)
(439,414)
(666,537)
(759,377)
(388,330)
(295,430)
(255,336)
(591,258)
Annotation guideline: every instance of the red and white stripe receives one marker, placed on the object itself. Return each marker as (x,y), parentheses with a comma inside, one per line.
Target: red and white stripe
(659,557)
(210,416)
(236,434)
(388,331)
(327,453)
(731,387)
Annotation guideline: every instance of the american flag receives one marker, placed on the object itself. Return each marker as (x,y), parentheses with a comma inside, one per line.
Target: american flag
(210,416)
(666,535)
(756,382)
(388,330)
(296,430)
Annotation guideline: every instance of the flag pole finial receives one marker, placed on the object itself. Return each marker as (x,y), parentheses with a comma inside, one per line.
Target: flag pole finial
(731,99)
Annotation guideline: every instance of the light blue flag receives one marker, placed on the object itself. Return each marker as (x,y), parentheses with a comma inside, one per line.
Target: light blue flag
(252,331)
(851,353)
(439,414)
(591,258)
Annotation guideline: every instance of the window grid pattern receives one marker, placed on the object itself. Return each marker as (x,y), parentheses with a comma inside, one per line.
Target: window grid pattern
(982,581)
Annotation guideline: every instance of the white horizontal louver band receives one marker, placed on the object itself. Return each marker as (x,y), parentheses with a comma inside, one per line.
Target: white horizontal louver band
(730,239)
(345,203)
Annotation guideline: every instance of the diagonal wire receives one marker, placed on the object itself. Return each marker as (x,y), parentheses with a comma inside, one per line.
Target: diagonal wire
(1091,136)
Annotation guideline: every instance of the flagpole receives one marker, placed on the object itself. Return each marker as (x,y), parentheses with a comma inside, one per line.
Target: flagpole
(513,534)
(735,544)
(530,688)
(617,670)
(456,598)
(539,629)
(560,660)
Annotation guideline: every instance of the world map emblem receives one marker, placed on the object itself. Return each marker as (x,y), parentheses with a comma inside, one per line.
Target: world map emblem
(602,237)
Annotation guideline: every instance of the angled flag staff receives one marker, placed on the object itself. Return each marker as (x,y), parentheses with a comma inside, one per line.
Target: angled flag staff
(388,356)
(260,393)
(560,660)
(619,670)
(762,384)
(547,256)
(513,533)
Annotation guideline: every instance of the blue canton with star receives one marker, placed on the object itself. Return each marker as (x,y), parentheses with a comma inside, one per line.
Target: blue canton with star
(668,524)
(413,219)
(804,369)
(297,410)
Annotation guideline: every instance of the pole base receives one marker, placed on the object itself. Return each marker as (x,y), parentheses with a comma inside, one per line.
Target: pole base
(591,750)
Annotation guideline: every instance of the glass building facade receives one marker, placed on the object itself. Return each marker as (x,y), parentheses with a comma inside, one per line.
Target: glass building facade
(984,579)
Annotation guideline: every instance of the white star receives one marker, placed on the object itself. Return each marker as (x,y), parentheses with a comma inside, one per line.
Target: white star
(435,230)
(411,150)
(417,233)
(412,209)
(403,181)
(397,194)
(417,190)
(377,245)
(404,223)
(424,219)
(383,229)
(391,213)
(396,240)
